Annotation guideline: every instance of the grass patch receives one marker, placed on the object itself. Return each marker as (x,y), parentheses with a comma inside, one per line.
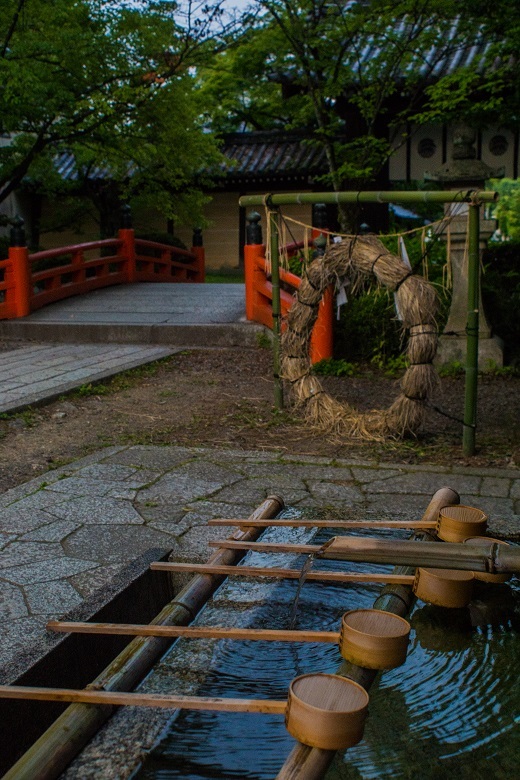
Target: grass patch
(263,340)
(225,276)
(122,381)
(331,367)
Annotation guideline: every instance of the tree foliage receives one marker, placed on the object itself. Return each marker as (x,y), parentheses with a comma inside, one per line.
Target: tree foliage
(353,73)
(507,209)
(110,81)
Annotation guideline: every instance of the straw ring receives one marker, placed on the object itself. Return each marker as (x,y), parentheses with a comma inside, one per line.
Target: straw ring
(351,261)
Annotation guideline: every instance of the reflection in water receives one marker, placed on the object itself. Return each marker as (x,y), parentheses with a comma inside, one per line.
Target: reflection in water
(450,711)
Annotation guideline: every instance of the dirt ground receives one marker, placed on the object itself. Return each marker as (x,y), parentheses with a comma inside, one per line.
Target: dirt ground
(224,398)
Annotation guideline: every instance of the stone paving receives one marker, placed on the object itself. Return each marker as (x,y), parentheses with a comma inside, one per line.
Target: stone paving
(178,314)
(150,303)
(68,532)
(38,372)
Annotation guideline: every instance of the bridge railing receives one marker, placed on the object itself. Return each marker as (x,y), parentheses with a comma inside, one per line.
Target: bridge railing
(259,293)
(30,281)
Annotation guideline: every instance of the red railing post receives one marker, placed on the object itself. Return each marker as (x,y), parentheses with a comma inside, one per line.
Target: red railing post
(126,235)
(20,269)
(322,337)
(253,250)
(322,341)
(198,250)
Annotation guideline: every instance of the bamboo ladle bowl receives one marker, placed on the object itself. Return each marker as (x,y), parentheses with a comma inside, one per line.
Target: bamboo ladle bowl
(450,588)
(457,523)
(374,639)
(326,711)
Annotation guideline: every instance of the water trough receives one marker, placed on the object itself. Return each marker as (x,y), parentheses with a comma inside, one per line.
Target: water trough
(312,756)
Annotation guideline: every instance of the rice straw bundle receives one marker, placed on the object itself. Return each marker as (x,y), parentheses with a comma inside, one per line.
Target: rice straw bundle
(355,260)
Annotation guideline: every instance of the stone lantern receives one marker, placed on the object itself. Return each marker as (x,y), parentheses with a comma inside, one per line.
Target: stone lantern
(465,172)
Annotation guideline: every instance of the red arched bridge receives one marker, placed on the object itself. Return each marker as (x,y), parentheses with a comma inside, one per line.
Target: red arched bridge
(30,281)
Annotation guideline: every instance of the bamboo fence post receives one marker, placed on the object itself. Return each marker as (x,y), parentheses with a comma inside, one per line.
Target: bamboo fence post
(69,733)
(472,326)
(277,307)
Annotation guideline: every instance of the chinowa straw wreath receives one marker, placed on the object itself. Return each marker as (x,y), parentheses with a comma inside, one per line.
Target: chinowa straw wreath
(352,261)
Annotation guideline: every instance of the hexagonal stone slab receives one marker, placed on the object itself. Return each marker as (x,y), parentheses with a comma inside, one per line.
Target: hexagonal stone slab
(108,544)
(53,569)
(97,510)
(51,598)
(12,603)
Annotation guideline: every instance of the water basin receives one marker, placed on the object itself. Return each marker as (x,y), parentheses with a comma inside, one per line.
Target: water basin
(450,711)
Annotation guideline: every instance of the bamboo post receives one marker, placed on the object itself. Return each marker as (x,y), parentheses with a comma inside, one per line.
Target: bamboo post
(277,308)
(470,400)
(306,763)
(62,741)
(369,196)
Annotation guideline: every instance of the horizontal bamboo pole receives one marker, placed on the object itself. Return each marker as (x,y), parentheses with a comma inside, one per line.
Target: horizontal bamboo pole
(485,557)
(413,525)
(488,557)
(194,632)
(367,196)
(285,574)
(113,698)
(305,549)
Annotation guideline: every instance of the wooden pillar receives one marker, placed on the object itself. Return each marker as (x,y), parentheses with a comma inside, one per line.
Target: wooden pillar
(197,249)
(20,269)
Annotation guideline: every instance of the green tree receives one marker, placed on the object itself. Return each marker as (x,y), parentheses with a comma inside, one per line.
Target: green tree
(507,210)
(112,82)
(351,73)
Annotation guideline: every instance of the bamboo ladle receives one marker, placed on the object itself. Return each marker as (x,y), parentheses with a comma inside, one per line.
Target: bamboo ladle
(443,587)
(322,710)
(454,523)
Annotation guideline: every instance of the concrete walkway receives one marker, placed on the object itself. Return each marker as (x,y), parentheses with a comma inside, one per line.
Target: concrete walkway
(92,337)
(68,532)
(42,372)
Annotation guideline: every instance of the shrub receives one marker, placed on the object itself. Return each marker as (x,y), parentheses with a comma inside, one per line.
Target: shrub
(501,295)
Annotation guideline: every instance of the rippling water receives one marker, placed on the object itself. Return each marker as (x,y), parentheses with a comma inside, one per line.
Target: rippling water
(451,711)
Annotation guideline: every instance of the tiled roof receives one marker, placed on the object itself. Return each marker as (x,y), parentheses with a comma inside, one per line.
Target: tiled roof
(271,156)
(253,157)
(66,167)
